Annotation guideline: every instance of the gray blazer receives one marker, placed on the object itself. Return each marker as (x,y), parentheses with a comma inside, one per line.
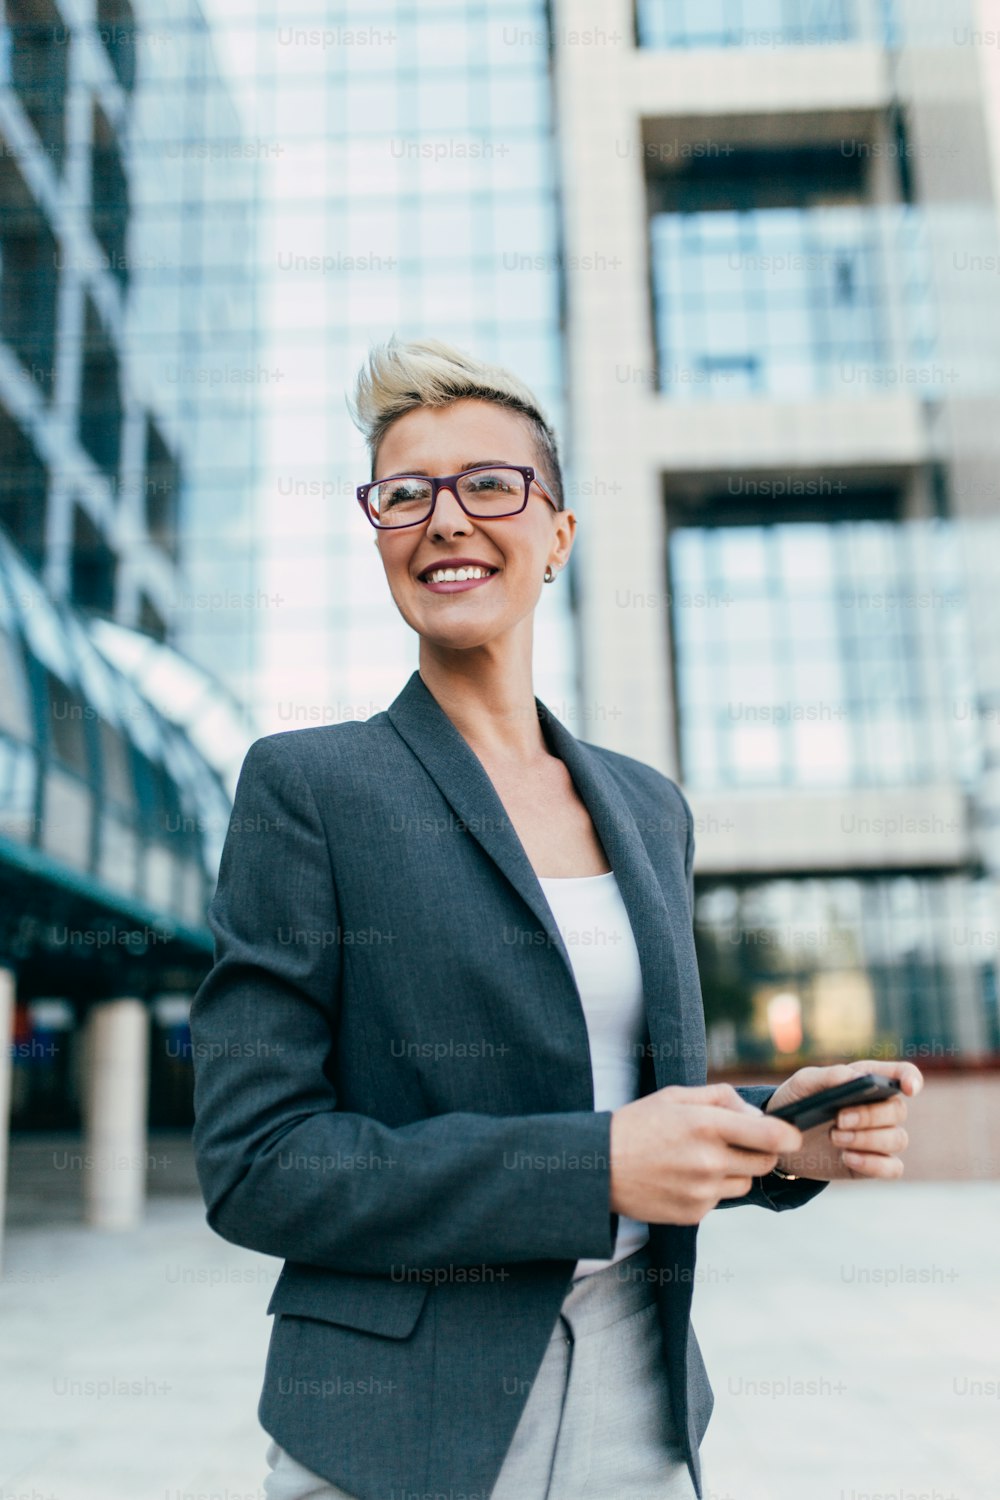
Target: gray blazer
(393,1088)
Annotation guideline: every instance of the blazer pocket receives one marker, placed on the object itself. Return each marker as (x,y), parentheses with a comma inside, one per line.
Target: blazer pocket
(374,1304)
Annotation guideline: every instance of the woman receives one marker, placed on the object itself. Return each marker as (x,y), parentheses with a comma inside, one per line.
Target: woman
(482,1147)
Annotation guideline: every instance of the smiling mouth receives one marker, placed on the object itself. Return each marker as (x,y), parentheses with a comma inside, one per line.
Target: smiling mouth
(455,580)
(444,573)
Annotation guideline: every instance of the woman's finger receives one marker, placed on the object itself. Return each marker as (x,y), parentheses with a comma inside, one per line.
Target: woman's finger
(867,1116)
(909,1075)
(744,1163)
(869,1164)
(735,1187)
(886,1142)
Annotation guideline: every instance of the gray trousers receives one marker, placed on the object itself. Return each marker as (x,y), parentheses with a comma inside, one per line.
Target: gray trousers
(597,1423)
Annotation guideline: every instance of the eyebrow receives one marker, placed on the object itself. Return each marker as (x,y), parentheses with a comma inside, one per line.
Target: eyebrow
(470,463)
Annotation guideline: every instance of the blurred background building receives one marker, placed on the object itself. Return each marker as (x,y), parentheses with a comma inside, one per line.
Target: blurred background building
(746,252)
(126,254)
(782,323)
(217,212)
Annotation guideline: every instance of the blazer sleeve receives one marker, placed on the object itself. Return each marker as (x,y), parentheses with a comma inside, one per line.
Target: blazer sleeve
(277,1160)
(768,1191)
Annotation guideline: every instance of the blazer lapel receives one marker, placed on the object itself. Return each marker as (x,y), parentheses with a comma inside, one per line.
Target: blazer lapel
(462,780)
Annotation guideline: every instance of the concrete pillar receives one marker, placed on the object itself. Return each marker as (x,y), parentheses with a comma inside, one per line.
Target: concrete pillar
(8,988)
(115,1088)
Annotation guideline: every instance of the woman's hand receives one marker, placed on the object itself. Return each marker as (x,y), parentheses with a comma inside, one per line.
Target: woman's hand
(865,1140)
(676,1152)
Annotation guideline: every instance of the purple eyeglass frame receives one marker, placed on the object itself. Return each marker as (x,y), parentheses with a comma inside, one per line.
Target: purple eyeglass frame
(449,481)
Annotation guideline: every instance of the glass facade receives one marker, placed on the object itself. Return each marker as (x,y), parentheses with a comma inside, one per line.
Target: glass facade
(824,656)
(205,223)
(192,336)
(793,302)
(91,777)
(760,23)
(407,185)
(207,216)
(127,382)
(124,464)
(894,966)
(830,622)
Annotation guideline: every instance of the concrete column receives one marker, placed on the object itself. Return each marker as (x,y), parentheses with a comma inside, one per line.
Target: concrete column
(8,988)
(115,1089)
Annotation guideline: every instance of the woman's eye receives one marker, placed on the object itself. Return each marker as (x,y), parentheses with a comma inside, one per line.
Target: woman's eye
(490,482)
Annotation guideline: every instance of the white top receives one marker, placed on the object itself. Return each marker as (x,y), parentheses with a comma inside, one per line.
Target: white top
(591,916)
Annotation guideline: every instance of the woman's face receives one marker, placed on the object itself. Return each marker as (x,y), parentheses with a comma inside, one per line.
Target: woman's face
(444,440)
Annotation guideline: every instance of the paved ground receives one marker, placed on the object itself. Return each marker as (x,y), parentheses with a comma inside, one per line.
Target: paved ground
(854,1346)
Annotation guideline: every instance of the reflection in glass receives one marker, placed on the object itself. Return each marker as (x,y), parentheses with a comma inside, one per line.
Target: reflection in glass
(17,791)
(790,302)
(812,671)
(893,967)
(67,815)
(15,707)
(745,23)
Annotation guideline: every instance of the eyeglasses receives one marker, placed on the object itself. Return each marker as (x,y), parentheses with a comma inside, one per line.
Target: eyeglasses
(485,493)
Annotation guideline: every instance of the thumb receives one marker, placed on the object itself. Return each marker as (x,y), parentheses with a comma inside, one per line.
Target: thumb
(722,1095)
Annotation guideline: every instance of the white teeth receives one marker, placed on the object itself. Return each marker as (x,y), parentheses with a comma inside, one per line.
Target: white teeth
(456,575)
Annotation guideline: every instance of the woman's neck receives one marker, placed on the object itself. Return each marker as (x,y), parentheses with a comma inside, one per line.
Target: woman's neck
(490,703)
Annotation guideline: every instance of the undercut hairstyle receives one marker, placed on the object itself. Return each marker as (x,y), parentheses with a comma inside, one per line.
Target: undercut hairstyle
(398,377)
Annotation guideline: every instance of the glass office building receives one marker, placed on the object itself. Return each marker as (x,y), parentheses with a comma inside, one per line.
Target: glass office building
(791,301)
(126,319)
(407,186)
(126,453)
(800,395)
(207,215)
(812,667)
(760,23)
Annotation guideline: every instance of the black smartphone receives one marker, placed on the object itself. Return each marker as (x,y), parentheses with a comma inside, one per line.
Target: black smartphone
(826,1104)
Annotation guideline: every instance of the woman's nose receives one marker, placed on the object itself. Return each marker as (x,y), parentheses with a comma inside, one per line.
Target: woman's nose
(448,514)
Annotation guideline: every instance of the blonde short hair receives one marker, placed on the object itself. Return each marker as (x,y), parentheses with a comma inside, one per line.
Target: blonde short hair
(426,372)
